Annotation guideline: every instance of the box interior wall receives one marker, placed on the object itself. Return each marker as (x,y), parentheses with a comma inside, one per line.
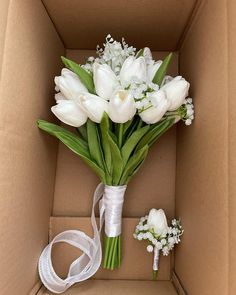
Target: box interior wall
(190,172)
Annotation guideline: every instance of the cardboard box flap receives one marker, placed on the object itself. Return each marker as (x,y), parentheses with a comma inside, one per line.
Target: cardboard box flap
(84,24)
(107,287)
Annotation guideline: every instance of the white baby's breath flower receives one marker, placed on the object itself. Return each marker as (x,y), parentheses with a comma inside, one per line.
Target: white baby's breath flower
(188,122)
(142,219)
(146,227)
(163,241)
(174,222)
(171,240)
(144,237)
(165,251)
(114,53)
(150,248)
(174,231)
(140,236)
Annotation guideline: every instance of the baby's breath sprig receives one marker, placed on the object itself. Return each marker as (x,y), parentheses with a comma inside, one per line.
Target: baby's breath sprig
(113,53)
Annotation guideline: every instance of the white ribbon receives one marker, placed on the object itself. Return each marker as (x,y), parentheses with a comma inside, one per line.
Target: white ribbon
(156,259)
(113,200)
(89,262)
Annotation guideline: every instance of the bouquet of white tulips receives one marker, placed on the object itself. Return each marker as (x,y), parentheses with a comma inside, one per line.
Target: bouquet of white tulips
(120,103)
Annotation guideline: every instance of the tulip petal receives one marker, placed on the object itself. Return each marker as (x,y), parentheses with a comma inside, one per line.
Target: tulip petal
(133,69)
(176,91)
(69,84)
(84,76)
(105,80)
(121,107)
(69,113)
(158,109)
(94,106)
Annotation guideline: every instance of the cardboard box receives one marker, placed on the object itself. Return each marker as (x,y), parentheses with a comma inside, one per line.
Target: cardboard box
(190,172)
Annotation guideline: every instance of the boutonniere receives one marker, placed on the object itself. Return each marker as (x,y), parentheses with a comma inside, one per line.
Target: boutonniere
(160,237)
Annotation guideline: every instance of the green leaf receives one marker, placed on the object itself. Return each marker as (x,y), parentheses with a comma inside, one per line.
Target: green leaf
(129,131)
(140,53)
(94,143)
(127,125)
(170,123)
(52,128)
(104,127)
(155,133)
(73,143)
(113,136)
(135,170)
(82,130)
(117,168)
(132,141)
(85,77)
(134,162)
(161,72)
(120,127)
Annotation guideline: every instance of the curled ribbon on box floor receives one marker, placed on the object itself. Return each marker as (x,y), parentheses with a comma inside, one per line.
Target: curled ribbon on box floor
(110,207)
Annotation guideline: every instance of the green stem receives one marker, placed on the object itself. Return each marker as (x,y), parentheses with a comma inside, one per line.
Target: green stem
(106,252)
(112,252)
(154,275)
(120,134)
(119,251)
(140,124)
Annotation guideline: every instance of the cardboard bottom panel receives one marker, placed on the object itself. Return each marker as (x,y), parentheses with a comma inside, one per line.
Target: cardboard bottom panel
(117,287)
(136,263)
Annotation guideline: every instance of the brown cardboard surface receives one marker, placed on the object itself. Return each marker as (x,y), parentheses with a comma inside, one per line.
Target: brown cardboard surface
(205,184)
(136,263)
(153,186)
(201,261)
(28,158)
(155,23)
(3,24)
(232,144)
(106,287)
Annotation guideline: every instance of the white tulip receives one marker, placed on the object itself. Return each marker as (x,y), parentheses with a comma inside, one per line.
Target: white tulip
(69,84)
(176,91)
(152,68)
(94,106)
(105,80)
(69,112)
(157,221)
(147,54)
(59,96)
(160,105)
(121,107)
(133,69)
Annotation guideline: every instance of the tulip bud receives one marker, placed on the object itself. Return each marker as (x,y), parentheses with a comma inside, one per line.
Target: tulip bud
(147,54)
(176,91)
(157,221)
(133,69)
(69,112)
(159,107)
(152,69)
(69,84)
(94,106)
(105,80)
(121,107)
